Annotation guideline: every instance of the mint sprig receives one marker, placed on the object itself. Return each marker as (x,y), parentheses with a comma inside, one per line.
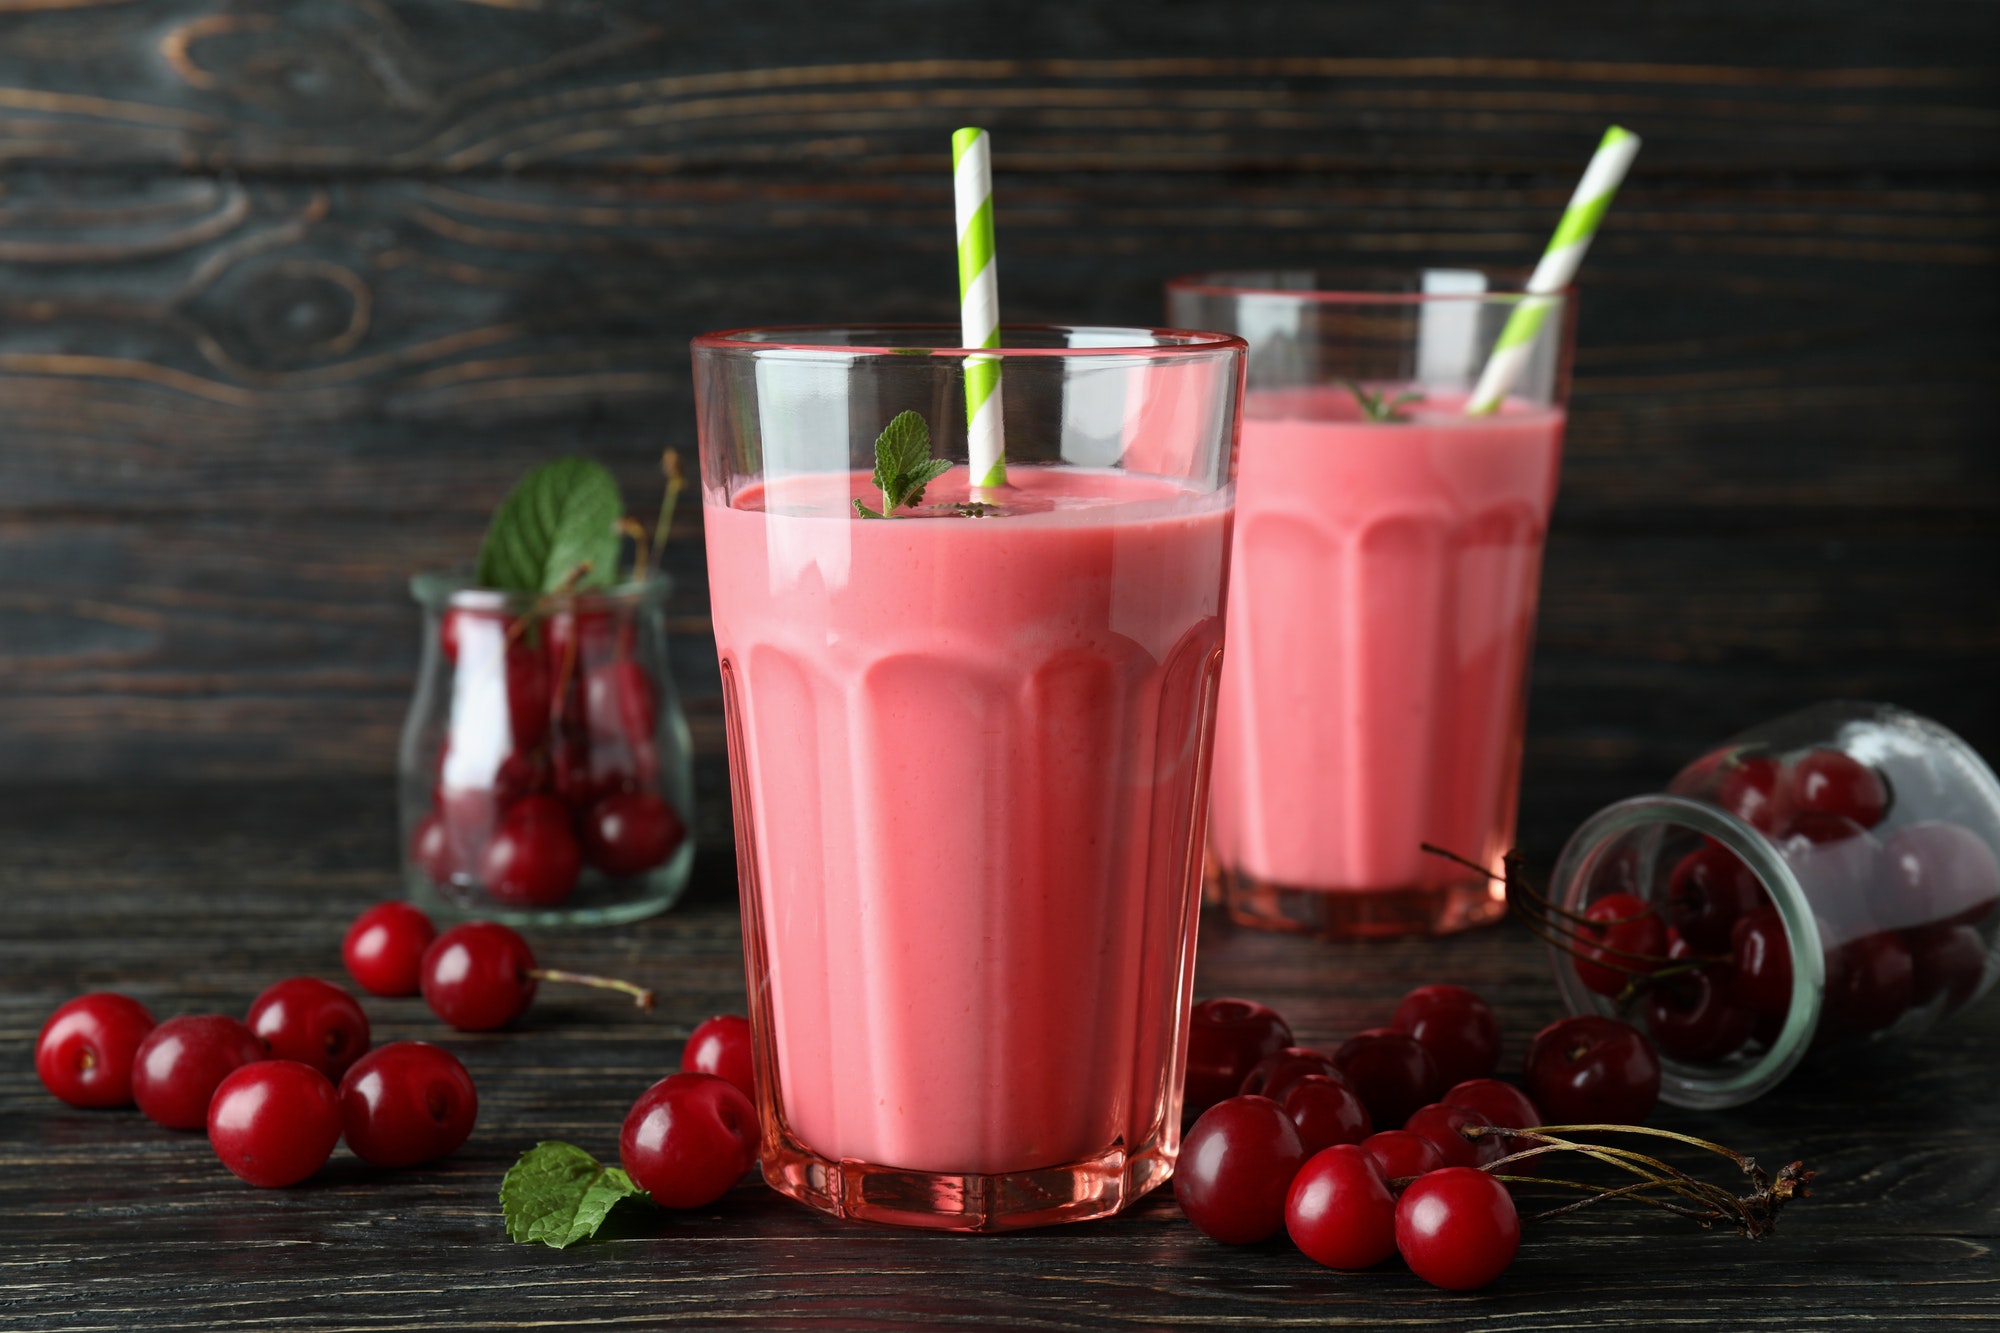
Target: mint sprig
(903,465)
(560,519)
(559,1194)
(1379,406)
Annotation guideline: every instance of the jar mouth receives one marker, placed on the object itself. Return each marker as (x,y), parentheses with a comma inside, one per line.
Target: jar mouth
(1696,1086)
(456,588)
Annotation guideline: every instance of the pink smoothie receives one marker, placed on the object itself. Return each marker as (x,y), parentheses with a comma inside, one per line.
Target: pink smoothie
(1381,607)
(972,750)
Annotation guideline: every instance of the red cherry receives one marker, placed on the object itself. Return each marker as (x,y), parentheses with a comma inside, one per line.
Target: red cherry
(1948,961)
(518,777)
(1871,982)
(533,859)
(628,833)
(430,848)
(1326,1112)
(688,1138)
(448,634)
(1835,783)
(274,1122)
(1939,873)
(618,701)
(1839,865)
(478,976)
(1236,1167)
(1402,1154)
(1502,1104)
(84,1053)
(1391,1071)
(407,1102)
(1707,891)
(1693,1016)
(1750,789)
(1457,1228)
(528,686)
(722,1047)
(1592,1070)
(1275,1073)
(1441,1124)
(312,1021)
(1455,1026)
(1339,1210)
(1226,1039)
(1624,923)
(1762,982)
(181,1063)
(384,948)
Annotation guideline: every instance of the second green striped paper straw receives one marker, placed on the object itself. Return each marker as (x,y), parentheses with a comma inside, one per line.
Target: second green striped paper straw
(978,304)
(1557,269)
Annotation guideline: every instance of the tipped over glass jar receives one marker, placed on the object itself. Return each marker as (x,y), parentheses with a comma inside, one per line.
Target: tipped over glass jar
(545,769)
(1829,877)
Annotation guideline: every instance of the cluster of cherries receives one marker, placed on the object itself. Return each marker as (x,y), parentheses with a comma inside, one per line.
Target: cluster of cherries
(1897,916)
(1320,1144)
(559,769)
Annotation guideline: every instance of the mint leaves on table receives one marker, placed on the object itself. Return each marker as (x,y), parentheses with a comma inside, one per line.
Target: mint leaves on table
(556,531)
(559,1194)
(1379,406)
(903,465)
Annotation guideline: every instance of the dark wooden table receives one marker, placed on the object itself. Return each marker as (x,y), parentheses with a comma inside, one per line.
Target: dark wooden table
(193,897)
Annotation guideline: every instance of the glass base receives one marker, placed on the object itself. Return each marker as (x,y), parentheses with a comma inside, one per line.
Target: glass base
(1076,1192)
(1353,913)
(597,901)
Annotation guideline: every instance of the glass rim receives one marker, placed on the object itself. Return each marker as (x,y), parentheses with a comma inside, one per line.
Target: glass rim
(1230,282)
(455,588)
(1163,342)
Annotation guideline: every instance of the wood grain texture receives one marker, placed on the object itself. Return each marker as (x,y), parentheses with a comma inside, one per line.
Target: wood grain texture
(193,897)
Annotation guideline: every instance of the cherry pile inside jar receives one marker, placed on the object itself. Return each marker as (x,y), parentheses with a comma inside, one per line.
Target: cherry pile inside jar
(1831,875)
(543,763)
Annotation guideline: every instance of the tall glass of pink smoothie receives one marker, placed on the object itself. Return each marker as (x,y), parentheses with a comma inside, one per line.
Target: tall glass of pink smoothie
(969,746)
(1387,556)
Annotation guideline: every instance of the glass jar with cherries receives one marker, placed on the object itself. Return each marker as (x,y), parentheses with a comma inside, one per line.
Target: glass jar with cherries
(545,769)
(1829,877)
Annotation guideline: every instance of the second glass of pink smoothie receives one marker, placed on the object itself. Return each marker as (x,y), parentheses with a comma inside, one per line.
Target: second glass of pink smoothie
(969,735)
(1382,601)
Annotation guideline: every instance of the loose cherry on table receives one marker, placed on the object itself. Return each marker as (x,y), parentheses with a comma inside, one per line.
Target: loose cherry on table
(689,1138)
(533,859)
(84,1053)
(1276,1072)
(1402,1154)
(1694,1016)
(312,1021)
(1621,931)
(1707,891)
(722,1046)
(274,1122)
(1457,1228)
(1391,1071)
(1326,1112)
(182,1061)
(1441,1124)
(1456,1026)
(1227,1037)
(630,832)
(482,975)
(1834,782)
(384,948)
(407,1102)
(1502,1104)
(1339,1211)
(1592,1070)
(1236,1168)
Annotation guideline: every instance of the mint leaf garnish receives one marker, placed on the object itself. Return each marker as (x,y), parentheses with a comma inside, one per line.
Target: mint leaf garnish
(559,519)
(903,465)
(1379,406)
(559,1194)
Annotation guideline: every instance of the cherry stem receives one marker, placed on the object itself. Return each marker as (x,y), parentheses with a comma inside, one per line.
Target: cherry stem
(641,553)
(670,467)
(641,997)
(1635,1192)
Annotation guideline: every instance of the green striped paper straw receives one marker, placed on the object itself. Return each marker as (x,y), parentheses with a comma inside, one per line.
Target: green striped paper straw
(978,304)
(1558,267)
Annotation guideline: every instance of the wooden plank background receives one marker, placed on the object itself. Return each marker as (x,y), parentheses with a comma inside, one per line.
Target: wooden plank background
(290,293)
